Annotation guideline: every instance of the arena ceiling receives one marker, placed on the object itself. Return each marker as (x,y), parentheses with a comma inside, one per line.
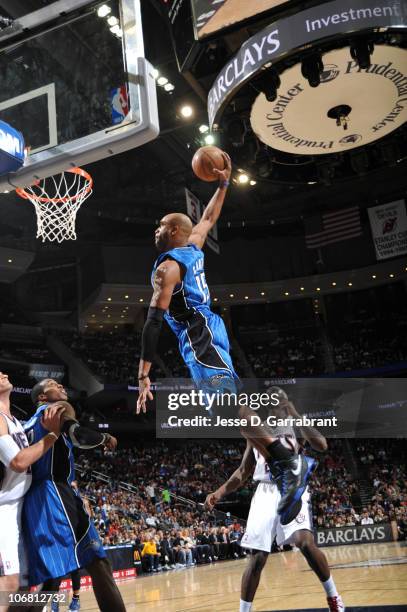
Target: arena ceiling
(133,190)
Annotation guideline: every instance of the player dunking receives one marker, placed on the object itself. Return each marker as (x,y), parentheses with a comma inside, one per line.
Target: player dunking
(181,296)
(263,523)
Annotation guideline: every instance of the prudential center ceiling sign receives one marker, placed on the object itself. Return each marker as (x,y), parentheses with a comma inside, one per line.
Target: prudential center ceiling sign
(304,120)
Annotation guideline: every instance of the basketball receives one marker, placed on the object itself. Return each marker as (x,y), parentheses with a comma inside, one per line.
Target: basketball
(205,159)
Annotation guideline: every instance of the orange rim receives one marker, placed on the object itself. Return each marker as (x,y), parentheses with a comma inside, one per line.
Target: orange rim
(28,196)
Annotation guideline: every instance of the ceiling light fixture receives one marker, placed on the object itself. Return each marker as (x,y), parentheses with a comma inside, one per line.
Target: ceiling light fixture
(104,10)
(243,179)
(187,111)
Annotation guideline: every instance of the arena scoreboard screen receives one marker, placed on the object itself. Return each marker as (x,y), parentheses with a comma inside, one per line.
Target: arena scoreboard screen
(212,16)
(194,21)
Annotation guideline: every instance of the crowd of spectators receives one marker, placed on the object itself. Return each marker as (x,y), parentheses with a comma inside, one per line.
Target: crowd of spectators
(162,514)
(385,465)
(370,343)
(158,500)
(288,355)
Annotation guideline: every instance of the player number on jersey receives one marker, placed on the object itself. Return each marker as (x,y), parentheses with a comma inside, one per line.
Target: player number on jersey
(203,287)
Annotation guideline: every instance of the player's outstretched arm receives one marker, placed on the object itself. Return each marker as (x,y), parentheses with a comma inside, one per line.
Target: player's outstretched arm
(167,275)
(238,478)
(212,212)
(19,460)
(80,436)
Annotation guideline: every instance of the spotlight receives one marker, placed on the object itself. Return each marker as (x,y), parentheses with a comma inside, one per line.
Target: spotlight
(162,80)
(203,129)
(312,68)
(116,29)
(187,111)
(268,83)
(236,131)
(360,51)
(169,87)
(243,179)
(104,10)
(155,73)
(209,139)
(112,21)
(252,183)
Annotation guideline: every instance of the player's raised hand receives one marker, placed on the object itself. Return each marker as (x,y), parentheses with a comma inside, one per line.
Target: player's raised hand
(224,175)
(144,394)
(211,500)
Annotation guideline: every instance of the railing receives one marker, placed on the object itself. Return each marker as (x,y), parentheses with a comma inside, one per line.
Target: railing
(131,488)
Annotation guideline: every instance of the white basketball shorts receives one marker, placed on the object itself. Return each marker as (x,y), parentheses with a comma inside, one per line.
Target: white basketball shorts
(12,554)
(263,523)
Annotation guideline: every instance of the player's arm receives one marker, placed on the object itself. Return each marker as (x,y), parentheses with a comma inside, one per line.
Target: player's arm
(212,212)
(310,434)
(80,436)
(238,478)
(19,460)
(167,275)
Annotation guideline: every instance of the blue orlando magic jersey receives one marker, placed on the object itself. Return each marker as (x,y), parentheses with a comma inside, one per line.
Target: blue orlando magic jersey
(58,462)
(202,336)
(59,535)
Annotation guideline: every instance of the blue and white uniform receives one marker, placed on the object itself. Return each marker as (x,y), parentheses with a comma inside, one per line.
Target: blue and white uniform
(13,487)
(59,535)
(202,337)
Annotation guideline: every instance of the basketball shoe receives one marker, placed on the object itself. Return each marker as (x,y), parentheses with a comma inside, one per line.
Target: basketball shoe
(336,604)
(291,477)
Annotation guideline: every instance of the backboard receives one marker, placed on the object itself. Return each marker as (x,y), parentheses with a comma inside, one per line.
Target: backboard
(74,81)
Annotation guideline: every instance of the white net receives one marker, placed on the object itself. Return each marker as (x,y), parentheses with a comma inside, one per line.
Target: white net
(57,200)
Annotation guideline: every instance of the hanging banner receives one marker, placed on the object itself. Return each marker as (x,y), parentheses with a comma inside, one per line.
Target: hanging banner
(194,211)
(388,223)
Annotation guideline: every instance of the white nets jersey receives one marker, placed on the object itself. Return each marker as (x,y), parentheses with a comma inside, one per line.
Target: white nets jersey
(14,485)
(288,439)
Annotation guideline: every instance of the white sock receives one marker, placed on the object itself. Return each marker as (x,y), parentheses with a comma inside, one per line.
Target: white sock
(330,588)
(245,606)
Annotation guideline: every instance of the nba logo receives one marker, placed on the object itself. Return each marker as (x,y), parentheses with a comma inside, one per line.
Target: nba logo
(120,104)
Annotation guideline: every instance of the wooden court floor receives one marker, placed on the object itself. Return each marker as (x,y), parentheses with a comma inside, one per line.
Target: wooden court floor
(368,576)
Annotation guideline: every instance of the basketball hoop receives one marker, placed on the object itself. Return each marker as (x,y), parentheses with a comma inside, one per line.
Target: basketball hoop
(57,200)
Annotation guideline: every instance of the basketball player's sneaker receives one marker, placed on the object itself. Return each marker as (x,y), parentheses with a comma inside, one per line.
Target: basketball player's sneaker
(75,604)
(291,477)
(336,604)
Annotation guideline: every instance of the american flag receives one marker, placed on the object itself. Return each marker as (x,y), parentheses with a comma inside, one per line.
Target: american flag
(328,228)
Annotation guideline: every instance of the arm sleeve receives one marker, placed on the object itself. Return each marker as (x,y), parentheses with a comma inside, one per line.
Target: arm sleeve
(151,333)
(83,437)
(8,449)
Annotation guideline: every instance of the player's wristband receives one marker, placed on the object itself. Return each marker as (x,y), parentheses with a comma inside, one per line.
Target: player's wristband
(224,184)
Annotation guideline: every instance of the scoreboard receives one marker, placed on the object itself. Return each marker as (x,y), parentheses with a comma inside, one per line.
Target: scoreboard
(193,21)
